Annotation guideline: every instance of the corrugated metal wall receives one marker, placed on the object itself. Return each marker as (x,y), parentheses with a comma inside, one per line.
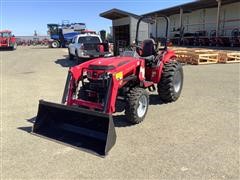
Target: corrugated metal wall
(203,19)
(143,30)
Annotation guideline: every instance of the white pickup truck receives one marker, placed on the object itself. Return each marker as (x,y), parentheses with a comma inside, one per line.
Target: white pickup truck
(87,46)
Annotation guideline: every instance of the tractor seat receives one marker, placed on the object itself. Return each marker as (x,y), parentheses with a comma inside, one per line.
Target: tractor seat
(148,51)
(148,48)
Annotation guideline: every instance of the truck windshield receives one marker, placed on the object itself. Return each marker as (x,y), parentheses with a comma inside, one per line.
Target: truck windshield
(88,39)
(5,34)
(53,29)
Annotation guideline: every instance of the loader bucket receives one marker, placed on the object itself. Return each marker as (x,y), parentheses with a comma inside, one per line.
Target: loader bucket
(81,128)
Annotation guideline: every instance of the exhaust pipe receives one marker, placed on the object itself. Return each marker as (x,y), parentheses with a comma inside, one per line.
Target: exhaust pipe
(85,129)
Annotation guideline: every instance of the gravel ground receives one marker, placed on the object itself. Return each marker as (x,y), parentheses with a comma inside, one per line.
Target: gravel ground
(196,137)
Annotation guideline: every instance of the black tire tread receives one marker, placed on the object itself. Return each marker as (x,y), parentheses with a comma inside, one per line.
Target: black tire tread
(165,86)
(132,104)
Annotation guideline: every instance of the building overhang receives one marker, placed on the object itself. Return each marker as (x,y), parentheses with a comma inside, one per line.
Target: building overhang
(188,7)
(114,14)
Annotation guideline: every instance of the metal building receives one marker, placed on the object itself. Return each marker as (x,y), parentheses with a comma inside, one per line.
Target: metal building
(124,27)
(206,18)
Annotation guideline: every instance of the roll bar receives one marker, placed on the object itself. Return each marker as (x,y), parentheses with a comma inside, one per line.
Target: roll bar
(145,17)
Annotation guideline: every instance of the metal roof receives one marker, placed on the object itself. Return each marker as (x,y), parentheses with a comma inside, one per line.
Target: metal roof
(188,7)
(117,14)
(5,31)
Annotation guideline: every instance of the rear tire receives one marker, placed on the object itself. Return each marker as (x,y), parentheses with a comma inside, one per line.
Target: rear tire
(136,105)
(170,85)
(79,60)
(71,57)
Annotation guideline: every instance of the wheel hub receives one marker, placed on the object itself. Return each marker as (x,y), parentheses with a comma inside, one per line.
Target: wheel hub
(142,107)
(177,82)
(54,44)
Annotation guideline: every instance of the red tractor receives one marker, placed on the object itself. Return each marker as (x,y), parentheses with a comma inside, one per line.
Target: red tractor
(7,40)
(84,119)
(235,37)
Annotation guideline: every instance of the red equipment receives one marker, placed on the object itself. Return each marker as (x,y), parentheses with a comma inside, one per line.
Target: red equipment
(92,90)
(7,40)
(218,41)
(201,38)
(235,37)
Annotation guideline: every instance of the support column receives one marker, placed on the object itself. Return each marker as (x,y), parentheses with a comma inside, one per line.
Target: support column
(218,17)
(181,25)
(156,30)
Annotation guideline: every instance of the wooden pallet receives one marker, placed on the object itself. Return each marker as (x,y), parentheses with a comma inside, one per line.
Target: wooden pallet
(208,58)
(199,57)
(185,57)
(233,57)
(222,57)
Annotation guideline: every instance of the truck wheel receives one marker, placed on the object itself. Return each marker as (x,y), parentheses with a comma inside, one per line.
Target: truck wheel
(55,44)
(14,46)
(79,60)
(71,57)
(137,102)
(170,85)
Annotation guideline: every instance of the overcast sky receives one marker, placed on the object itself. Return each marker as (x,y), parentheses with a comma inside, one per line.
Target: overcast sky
(25,16)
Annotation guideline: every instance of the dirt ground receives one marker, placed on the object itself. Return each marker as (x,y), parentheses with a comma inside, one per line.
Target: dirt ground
(196,137)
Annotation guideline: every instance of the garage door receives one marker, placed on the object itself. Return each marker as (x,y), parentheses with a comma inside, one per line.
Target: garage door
(121,36)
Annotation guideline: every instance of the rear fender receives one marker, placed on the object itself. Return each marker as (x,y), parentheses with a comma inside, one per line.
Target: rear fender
(166,58)
(141,74)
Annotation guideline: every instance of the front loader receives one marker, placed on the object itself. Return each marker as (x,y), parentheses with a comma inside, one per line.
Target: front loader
(84,118)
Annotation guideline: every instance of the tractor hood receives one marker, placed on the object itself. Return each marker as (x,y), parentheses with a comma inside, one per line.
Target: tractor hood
(105,64)
(110,63)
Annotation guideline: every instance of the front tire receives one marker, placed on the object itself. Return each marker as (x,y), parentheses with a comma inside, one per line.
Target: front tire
(170,85)
(137,105)
(14,46)
(55,44)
